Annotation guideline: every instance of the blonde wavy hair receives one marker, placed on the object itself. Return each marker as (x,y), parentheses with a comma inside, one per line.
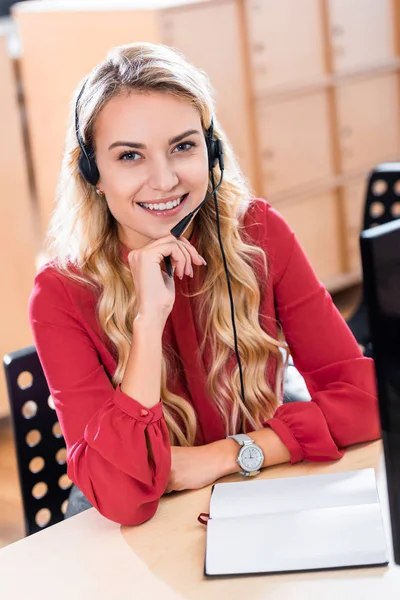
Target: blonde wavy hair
(83,235)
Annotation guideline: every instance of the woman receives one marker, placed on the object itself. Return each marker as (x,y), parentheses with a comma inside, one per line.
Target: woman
(141,366)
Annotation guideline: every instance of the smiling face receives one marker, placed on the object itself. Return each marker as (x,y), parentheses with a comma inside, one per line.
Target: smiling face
(150,149)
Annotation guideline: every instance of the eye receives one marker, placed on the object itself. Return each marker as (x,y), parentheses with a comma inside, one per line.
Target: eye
(129,156)
(184,146)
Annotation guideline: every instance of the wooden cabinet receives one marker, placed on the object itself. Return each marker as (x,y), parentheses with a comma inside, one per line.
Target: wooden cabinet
(353,198)
(361,33)
(368,121)
(294,140)
(315,221)
(17,226)
(285,42)
(306,90)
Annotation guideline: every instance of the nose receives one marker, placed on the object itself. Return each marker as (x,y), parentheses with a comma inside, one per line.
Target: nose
(163,176)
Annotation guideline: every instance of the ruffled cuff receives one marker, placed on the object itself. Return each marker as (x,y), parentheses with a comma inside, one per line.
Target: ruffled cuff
(286,436)
(302,427)
(135,409)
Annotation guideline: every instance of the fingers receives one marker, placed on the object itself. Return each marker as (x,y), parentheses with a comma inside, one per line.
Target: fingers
(187,270)
(183,255)
(182,247)
(181,260)
(196,257)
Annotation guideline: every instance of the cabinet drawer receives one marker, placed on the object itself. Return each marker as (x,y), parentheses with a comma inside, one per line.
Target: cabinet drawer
(368,121)
(294,141)
(315,221)
(361,33)
(285,41)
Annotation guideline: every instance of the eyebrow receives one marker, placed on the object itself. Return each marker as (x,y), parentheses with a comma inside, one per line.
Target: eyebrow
(139,146)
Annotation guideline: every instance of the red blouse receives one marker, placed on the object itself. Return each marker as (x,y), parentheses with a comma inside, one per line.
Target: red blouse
(104,428)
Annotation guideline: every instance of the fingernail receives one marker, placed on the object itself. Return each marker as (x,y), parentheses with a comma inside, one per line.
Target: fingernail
(180,277)
(191,271)
(204,262)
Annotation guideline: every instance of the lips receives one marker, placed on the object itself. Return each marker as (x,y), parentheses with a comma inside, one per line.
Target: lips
(167,212)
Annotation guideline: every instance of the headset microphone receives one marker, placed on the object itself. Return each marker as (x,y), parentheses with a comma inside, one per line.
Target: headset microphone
(180,228)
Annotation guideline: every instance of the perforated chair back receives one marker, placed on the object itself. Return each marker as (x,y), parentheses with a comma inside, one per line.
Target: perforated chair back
(383,195)
(382,205)
(40,446)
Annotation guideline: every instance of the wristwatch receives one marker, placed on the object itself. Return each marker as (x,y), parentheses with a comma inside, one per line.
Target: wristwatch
(250,457)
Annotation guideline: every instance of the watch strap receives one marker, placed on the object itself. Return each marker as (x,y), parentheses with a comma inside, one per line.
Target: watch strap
(242,439)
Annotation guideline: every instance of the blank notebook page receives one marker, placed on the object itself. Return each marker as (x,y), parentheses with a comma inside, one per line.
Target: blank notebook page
(302,523)
(252,497)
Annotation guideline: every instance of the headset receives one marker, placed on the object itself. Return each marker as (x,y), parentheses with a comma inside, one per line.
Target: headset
(89,171)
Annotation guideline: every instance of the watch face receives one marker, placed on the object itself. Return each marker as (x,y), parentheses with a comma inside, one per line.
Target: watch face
(251,458)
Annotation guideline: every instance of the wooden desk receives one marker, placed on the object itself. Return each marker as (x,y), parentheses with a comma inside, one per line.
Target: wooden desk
(89,557)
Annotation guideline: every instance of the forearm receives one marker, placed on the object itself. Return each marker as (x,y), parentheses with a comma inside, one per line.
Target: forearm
(194,467)
(142,377)
(275,452)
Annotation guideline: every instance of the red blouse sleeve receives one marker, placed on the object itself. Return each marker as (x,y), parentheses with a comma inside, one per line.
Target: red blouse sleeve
(106,431)
(343,409)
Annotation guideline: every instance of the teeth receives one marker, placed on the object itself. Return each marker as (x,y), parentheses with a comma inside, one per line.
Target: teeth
(162,205)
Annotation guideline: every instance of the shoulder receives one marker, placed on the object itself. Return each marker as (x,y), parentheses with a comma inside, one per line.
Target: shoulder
(266,228)
(51,278)
(54,289)
(263,222)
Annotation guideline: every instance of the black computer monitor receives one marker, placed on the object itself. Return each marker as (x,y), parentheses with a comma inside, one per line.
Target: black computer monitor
(380,252)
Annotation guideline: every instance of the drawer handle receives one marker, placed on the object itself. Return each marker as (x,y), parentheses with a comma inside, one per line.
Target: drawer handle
(337,30)
(346,131)
(258,48)
(268,154)
(339,50)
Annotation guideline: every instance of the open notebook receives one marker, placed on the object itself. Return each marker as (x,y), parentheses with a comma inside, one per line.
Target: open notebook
(295,524)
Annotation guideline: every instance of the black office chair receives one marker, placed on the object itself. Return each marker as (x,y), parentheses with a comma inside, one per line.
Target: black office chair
(382,204)
(40,445)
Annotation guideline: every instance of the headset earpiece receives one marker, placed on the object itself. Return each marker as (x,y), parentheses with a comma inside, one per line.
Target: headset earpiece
(212,152)
(214,149)
(87,166)
(86,162)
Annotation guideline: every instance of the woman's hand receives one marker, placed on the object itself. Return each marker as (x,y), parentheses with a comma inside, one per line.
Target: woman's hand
(154,288)
(195,467)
